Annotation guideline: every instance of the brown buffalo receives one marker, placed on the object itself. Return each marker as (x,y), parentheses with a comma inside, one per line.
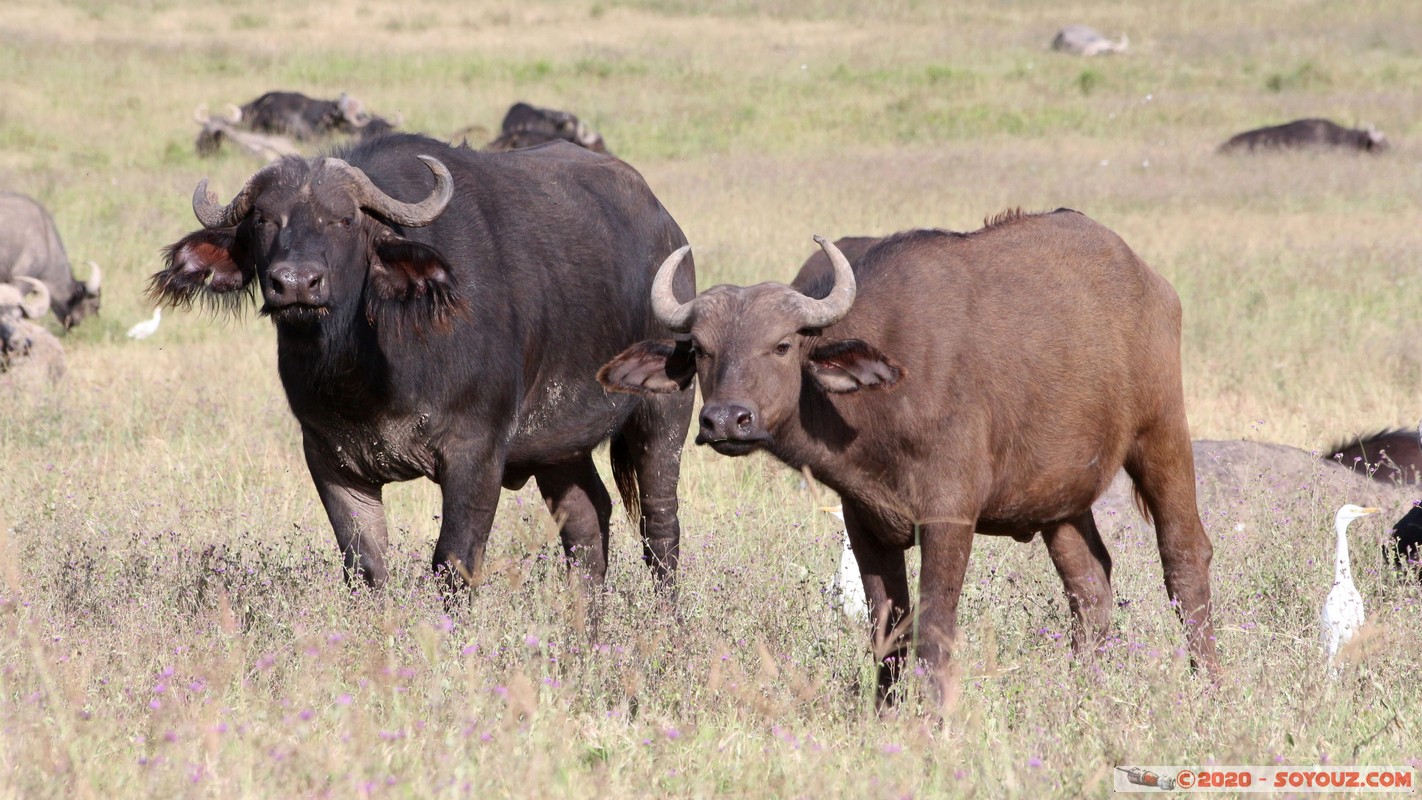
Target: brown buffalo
(949,383)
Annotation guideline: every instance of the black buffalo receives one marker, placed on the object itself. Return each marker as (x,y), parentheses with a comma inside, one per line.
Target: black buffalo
(442,312)
(525,126)
(30,246)
(1306,133)
(300,117)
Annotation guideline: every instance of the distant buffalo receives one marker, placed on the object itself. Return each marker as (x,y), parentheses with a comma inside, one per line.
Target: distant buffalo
(1079,40)
(525,126)
(30,246)
(1306,133)
(301,117)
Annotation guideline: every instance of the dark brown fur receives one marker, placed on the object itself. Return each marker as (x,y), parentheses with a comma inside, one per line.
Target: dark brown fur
(1389,456)
(1038,356)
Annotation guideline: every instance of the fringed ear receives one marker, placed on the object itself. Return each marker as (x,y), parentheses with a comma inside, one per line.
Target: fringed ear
(650,367)
(206,265)
(412,286)
(848,365)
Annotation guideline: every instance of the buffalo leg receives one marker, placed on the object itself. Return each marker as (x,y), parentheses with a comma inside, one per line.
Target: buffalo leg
(946,546)
(1162,466)
(1084,565)
(470,488)
(574,494)
(357,516)
(881,568)
(650,444)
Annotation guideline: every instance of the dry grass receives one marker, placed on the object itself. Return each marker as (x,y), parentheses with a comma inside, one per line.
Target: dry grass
(172,621)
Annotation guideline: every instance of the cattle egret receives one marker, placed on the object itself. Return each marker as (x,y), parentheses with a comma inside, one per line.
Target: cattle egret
(1343,610)
(146,328)
(846,588)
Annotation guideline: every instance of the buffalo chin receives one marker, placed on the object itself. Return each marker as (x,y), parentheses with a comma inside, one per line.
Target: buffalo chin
(297,314)
(734,447)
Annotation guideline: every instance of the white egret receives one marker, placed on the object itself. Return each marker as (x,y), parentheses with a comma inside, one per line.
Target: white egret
(148,327)
(1343,610)
(846,588)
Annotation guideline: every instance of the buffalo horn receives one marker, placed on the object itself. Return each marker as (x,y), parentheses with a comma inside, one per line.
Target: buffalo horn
(39,306)
(96,277)
(412,214)
(212,215)
(820,313)
(675,315)
(200,115)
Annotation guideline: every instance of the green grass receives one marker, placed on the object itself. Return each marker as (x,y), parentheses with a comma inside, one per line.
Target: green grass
(172,618)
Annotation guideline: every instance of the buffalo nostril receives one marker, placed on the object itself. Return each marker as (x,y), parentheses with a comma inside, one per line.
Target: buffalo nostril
(314,281)
(277,285)
(745,421)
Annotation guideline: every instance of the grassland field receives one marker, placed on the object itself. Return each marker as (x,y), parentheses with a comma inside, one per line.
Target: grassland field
(173,621)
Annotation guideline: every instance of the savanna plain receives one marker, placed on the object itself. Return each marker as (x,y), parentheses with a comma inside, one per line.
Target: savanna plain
(173,619)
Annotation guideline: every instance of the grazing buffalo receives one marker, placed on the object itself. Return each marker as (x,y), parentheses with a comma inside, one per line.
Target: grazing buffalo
(29,354)
(1080,40)
(301,117)
(30,246)
(1390,456)
(442,312)
(1306,133)
(525,126)
(949,383)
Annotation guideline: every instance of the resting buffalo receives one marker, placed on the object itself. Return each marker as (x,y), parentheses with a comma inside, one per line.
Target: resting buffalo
(949,383)
(30,246)
(216,130)
(442,312)
(1390,456)
(29,354)
(1306,133)
(525,126)
(1081,40)
(301,117)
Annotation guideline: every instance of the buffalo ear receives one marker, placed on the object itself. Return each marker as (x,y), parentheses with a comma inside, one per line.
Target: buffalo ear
(415,279)
(848,365)
(650,367)
(202,264)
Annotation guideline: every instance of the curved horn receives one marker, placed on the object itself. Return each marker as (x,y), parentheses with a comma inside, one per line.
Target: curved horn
(200,115)
(34,309)
(234,114)
(820,313)
(212,215)
(669,312)
(412,214)
(96,278)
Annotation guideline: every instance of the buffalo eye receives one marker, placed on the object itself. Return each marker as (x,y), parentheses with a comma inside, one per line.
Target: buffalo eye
(345,222)
(782,349)
(697,350)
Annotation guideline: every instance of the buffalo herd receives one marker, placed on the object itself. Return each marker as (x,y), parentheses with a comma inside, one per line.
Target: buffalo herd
(480,317)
